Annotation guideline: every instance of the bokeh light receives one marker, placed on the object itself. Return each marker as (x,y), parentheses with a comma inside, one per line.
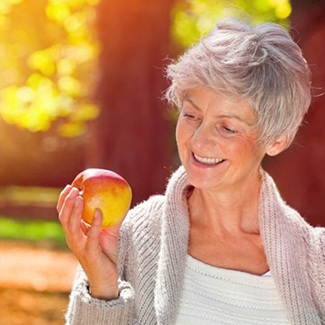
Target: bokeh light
(48,59)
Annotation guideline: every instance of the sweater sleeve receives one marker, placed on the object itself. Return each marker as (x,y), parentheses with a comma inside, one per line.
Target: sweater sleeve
(317,266)
(84,309)
(322,270)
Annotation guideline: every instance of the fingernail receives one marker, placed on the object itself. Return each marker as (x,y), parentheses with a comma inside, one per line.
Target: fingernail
(75,191)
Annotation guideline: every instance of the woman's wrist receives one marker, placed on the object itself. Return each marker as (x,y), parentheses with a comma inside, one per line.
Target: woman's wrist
(104,292)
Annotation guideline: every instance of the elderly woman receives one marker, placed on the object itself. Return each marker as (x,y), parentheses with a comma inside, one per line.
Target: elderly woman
(220,246)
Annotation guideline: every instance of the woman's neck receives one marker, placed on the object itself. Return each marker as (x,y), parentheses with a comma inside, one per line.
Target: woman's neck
(224,230)
(226,211)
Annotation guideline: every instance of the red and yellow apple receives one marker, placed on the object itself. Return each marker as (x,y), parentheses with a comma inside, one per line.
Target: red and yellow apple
(105,190)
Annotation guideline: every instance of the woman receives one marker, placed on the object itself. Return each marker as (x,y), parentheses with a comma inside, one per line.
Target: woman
(221,246)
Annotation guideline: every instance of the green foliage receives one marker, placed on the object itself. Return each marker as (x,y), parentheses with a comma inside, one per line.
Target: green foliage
(194,18)
(39,230)
(32,227)
(48,57)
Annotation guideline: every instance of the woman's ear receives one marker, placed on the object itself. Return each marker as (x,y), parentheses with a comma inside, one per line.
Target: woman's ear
(280,144)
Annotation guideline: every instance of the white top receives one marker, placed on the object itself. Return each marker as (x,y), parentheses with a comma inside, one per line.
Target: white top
(213,295)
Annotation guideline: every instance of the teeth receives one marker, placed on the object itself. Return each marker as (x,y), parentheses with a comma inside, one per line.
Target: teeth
(208,161)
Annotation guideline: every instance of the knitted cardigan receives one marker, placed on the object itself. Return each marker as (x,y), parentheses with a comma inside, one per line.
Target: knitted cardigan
(153,250)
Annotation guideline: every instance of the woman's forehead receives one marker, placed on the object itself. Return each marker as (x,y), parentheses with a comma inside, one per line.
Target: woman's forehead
(200,98)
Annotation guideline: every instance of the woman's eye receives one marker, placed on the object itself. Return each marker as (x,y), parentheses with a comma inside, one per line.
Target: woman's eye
(228,130)
(190,116)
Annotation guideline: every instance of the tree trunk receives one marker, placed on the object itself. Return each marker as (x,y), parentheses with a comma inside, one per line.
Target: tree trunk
(299,172)
(133,135)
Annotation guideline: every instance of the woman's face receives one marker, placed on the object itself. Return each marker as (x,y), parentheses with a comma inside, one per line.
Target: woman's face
(216,140)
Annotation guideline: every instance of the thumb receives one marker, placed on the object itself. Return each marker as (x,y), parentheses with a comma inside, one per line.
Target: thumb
(94,230)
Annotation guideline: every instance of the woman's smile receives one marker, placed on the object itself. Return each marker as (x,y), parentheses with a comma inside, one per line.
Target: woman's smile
(209,161)
(216,140)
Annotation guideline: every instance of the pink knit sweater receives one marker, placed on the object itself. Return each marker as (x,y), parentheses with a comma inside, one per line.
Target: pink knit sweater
(153,250)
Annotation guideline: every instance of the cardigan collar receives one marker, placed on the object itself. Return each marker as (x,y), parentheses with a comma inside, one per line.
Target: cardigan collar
(284,236)
(280,228)
(174,242)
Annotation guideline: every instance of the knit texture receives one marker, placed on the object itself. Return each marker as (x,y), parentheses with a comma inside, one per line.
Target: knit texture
(213,295)
(153,251)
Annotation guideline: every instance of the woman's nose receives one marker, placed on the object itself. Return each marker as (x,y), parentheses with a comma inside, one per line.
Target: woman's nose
(203,137)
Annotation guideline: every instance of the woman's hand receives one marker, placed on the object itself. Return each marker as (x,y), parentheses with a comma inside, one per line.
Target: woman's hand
(95,248)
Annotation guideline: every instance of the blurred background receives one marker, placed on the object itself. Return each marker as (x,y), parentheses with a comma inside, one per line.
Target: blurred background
(81,86)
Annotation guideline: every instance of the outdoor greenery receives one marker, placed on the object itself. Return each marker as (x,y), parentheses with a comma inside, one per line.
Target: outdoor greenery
(49,55)
(194,18)
(33,228)
(48,61)
(36,230)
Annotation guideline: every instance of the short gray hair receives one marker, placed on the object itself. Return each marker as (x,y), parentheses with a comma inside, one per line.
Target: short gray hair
(259,63)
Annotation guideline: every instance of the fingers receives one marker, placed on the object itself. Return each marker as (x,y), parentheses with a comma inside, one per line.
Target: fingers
(62,197)
(67,205)
(85,240)
(70,213)
(94,231)
(85,228)
(74,223)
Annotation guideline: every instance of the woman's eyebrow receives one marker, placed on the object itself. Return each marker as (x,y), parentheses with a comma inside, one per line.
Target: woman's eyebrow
(238,118)
(188,99)
(227,116)
(232,116)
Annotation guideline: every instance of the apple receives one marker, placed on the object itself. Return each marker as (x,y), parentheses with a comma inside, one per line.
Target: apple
(105,190)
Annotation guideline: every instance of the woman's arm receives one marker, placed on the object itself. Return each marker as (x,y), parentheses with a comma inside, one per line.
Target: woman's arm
(97,291)
(84,309)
